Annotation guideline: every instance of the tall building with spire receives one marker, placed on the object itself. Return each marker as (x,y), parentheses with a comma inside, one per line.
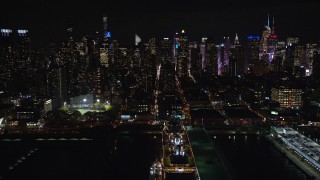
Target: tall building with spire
(237,64)
(104,51)
(263,50)
(272,43)
(137,40)
(268,42)
(105,28)
(236,40)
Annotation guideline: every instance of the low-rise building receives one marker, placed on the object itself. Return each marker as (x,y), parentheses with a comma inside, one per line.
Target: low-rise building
(287,97)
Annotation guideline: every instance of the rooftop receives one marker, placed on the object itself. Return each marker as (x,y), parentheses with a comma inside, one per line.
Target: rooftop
(239,112)
(205,113)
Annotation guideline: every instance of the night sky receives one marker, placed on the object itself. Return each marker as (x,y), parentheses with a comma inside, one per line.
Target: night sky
(47,20)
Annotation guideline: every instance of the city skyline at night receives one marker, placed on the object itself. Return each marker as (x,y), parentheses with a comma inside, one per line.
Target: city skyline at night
(160,90)
(47,22)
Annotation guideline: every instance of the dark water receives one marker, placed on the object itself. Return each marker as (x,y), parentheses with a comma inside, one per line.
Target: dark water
(246,157)
(251,157)
(80,160)
(53,160)
(134,155)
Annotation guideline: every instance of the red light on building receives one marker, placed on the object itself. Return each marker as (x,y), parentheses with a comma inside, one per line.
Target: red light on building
(273,36)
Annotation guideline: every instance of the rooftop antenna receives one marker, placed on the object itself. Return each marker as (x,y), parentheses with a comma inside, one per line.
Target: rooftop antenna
(273,26)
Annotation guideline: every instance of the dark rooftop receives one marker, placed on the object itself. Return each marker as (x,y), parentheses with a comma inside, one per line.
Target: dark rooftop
(239,112)
(205,113)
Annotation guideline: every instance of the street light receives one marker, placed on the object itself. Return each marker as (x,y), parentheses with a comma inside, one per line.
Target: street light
(84,102)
